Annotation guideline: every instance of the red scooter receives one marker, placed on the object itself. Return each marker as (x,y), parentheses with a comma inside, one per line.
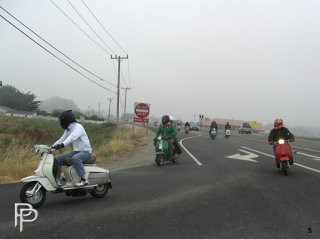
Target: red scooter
(283,155)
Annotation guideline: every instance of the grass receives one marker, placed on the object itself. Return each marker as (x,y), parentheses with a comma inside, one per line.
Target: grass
(308,138)
(18,135)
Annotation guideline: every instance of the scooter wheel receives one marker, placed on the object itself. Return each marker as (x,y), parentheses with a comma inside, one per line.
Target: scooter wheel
(100,191)
(37,199)
(159,160)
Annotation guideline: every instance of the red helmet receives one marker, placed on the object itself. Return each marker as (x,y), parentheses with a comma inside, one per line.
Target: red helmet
(278,123)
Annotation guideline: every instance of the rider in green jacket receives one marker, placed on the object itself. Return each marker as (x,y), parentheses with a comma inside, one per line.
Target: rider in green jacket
(167,131)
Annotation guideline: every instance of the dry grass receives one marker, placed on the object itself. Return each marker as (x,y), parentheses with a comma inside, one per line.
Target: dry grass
(18,161)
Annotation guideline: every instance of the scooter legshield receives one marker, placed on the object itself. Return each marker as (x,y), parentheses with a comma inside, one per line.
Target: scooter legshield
(162,147)
(283,152)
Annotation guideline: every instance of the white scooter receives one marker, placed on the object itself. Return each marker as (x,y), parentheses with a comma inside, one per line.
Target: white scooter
(227,133)
(34,192)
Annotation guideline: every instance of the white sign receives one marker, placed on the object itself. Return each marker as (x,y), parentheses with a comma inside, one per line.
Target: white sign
(21,212)
(248,157)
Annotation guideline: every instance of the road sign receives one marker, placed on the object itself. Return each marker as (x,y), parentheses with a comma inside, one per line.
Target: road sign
(142,111)
(254,124)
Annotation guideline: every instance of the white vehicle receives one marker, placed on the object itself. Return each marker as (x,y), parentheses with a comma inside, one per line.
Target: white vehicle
(43,180)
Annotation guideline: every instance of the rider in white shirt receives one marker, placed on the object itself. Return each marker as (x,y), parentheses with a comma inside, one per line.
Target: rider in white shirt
(73,133)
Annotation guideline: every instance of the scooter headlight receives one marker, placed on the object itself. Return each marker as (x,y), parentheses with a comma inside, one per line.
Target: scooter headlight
(36,149)
(281,141)
(159,137)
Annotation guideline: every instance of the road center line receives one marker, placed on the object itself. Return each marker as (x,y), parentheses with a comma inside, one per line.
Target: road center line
(272,156)
(190,154)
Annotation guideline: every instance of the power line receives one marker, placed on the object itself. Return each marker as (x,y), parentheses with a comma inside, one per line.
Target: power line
(90,27)
(104,27)
(80,28)
(56,48)
(54,54)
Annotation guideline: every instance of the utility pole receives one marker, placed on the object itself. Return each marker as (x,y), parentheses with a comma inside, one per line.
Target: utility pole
(118,88)
(125,101)
(99,111)
(109,108)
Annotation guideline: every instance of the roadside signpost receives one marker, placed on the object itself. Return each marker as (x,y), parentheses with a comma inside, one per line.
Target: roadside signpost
(141,111)
(254,124)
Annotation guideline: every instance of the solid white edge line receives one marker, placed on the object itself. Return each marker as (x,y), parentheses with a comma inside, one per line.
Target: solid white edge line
(190,154)
(297,164)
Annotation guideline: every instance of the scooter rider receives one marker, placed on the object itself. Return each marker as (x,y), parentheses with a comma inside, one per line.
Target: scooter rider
(187,124)
(167,131)
(213,126)
(179,126)
(227,126)
(175,143)
(279,132)
(73,133)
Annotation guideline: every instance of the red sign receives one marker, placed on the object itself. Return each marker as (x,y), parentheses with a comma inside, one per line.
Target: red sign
(141,120)
(141,110)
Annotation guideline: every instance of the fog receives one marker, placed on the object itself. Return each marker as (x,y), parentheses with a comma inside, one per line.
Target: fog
(247,60)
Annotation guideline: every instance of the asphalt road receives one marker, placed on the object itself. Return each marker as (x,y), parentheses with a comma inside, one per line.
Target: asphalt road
(206,195)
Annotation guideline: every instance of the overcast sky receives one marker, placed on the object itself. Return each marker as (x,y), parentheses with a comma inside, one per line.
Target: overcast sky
(241,59)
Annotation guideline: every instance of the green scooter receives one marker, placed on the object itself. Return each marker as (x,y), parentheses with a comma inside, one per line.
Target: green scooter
(163,151)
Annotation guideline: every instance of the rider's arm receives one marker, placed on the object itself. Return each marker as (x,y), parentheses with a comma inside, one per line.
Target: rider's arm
(174,131)
(290,136)
(271,136)
(63,137)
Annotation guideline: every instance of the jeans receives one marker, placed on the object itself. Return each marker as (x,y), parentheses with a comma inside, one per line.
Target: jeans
(77,158)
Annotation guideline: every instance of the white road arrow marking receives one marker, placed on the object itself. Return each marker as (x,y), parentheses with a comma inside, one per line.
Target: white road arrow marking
(248,157)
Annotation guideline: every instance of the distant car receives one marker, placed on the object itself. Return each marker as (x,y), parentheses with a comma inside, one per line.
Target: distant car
(245,128)
(194,127)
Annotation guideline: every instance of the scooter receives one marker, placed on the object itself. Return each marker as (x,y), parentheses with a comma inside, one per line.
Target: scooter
(227,133)
(213,133)
(43,179)
(163,152)
(283,155)
(187,129)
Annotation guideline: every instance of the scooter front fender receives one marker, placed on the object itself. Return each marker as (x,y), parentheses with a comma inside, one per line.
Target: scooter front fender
(42,180)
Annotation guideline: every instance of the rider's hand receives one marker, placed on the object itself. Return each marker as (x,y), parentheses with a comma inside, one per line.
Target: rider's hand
(291,140)
(58,146)
(270,142)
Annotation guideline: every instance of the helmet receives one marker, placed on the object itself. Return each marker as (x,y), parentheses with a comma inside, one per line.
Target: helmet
(66,118)
(165,119)
(171,118)
(278,124)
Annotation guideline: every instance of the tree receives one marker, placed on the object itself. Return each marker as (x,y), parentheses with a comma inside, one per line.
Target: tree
(13,98)
(58,103)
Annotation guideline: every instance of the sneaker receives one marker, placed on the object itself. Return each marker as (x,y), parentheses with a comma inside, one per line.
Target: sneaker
(59,182)
(83,182)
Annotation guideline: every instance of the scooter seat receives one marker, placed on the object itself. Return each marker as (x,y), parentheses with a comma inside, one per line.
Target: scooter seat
(91,160)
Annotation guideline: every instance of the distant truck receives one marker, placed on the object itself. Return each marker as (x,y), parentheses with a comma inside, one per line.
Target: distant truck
(245,128)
